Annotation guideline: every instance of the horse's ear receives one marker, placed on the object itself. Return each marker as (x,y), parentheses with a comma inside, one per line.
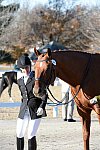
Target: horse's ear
(37,53)
(49,52)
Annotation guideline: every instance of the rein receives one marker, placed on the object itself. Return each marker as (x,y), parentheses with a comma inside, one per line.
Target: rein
(61,102)
(75,96)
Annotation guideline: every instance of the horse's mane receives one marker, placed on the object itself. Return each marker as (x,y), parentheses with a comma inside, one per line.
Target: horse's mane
(76,51)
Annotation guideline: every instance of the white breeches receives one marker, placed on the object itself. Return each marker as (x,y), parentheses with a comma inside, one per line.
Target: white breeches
(32,125)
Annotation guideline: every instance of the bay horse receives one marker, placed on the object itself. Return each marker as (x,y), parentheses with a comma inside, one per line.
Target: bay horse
(81,70)
(7,80)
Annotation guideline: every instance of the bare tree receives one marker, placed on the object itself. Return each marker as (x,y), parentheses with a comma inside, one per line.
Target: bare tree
(6,17)
(74,26)
(84,29)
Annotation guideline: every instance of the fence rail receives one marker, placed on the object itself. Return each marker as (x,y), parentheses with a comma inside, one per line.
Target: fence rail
(9,104)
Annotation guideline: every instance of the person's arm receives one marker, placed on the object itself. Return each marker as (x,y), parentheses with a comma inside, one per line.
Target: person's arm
(44,101)
(42,105)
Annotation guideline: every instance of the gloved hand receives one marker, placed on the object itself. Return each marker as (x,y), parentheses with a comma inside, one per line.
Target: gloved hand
(40,111)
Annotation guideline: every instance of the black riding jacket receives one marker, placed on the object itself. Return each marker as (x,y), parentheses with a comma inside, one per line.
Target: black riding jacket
(28,98)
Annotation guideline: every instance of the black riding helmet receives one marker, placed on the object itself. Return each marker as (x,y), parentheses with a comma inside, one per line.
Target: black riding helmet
(24,61)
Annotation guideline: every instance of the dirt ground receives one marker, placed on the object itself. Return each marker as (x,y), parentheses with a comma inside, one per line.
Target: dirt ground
(53,134)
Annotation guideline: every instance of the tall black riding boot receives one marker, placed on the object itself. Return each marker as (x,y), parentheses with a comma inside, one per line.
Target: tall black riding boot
(32,145)
(20,143)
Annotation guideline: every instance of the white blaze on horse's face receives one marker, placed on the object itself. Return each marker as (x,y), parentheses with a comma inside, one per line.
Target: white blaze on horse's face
(44,72)
(40,68)
(41,63)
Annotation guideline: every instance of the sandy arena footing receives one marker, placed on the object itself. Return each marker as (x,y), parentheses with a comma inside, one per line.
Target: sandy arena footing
(53,134)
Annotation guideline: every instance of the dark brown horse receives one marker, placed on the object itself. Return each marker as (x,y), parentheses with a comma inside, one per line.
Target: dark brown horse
(82,71)
(7,80)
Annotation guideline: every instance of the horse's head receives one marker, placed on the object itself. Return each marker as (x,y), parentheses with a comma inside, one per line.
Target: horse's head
(44,72)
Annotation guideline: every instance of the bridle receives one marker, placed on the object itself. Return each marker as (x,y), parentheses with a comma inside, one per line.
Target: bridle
(82,82)
(37,79)
(52,73)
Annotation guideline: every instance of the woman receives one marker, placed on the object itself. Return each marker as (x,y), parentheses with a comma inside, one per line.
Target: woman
(31,109)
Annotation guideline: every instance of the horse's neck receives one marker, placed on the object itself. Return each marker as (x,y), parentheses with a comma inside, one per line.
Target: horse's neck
(70,66)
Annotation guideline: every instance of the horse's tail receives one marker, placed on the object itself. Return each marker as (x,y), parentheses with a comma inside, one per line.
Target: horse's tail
(3,84)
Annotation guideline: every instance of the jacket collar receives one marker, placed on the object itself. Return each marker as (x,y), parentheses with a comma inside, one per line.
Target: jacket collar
(31,76)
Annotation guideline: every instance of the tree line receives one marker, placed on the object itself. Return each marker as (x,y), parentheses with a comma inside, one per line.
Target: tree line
(76,27)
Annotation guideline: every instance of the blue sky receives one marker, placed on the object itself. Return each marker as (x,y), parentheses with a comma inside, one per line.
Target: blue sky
(31,3)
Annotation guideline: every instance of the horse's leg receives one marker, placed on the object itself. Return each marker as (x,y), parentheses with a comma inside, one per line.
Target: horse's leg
(3,85)
(86,122)
(9,91)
